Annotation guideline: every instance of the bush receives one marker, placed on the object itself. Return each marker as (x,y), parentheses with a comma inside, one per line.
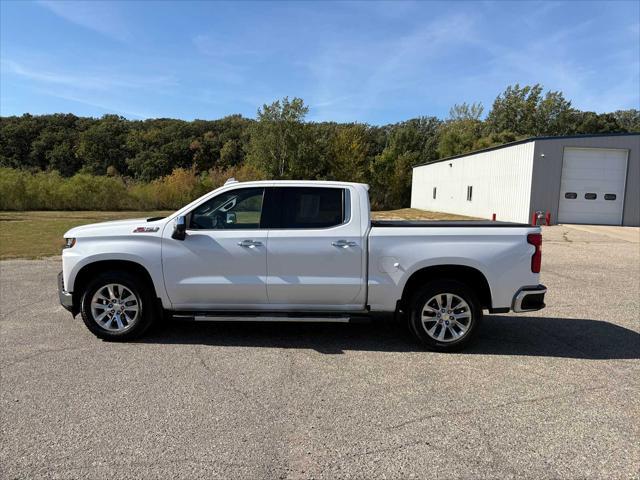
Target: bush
(13,189)
(23,190)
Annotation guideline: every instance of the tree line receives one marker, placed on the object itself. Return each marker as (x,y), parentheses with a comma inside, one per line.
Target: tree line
(279,144)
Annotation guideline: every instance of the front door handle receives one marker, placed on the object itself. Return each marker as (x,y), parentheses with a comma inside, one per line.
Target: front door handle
(344,243)
(250,243)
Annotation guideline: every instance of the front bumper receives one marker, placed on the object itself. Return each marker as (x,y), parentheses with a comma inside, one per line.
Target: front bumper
(66,298)
(529,299)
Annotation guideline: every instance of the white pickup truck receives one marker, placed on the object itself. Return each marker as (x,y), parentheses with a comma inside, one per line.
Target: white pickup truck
(298,251)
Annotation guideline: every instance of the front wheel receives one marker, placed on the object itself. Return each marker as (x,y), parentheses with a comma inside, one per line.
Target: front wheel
(117,306)
(445,315)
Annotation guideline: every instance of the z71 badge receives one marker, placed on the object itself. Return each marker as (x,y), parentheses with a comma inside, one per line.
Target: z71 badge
(146,229)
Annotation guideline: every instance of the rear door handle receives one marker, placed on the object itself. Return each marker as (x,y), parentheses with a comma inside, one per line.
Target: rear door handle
(344,243)
(250,243)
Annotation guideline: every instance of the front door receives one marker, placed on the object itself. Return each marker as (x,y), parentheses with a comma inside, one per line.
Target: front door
(222,262)
(315,255)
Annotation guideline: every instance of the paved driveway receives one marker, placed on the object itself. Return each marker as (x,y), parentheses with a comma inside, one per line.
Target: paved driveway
(539,396)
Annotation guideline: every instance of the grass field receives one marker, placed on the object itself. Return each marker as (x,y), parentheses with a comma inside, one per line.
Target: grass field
(39,234)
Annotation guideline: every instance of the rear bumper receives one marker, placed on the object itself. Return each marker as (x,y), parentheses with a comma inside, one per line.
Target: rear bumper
(529,299)
(66,298)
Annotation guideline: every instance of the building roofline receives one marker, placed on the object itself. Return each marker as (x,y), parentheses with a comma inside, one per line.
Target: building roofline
(527,140)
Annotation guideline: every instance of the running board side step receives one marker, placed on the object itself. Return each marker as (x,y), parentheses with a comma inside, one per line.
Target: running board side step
(288,318)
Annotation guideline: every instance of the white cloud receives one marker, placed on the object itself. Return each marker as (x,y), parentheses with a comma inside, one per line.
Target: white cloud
(209,45)
(108,107)
(98,16)
(108,91)
(98,81)
(551,60)
(351,77)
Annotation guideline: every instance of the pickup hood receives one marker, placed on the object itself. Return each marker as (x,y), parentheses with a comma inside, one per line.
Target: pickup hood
(116,227)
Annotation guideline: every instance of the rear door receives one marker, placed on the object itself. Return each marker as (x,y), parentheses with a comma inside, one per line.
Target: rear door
(315,251)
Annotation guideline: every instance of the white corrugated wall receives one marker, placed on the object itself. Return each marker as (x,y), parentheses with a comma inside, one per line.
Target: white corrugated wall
(501,181)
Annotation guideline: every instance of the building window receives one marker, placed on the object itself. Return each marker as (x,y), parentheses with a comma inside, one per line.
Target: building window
(571,195)
(434,192)
(590,196)
(469,193)
(609,196)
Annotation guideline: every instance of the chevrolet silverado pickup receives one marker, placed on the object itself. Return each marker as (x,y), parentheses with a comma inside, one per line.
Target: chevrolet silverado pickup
(298,251)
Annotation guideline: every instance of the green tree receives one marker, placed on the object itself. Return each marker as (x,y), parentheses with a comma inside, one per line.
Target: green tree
(148,165)
(410,143)
(349,153)
(515,110)
(493,139)
(54,148)
(280,142)
(629,120)
(16,137)
(466,111)
(231,154)
(206,151)
(459,136)
(462,129)
(525,111)
(553,115)
(591,122)
(62,157)
(104,144)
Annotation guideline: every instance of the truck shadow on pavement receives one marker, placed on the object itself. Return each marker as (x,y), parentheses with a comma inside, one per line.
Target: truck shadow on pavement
(500,335)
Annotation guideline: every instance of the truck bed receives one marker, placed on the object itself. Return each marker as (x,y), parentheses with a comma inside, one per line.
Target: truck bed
(447,223)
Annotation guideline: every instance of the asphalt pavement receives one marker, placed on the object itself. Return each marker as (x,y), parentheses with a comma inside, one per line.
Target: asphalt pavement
(553,394)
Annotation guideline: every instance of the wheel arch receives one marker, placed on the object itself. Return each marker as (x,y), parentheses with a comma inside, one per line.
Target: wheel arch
(89,270)
(470,276)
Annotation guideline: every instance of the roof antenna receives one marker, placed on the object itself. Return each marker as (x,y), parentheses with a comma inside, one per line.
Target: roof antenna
(231,180)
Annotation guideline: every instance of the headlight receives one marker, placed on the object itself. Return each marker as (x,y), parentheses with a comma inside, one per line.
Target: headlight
(69,242)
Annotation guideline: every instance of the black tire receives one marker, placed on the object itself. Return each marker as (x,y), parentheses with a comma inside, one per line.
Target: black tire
(449,343)
(143,292)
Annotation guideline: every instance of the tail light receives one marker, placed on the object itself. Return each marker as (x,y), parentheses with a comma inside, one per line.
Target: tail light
(535,239)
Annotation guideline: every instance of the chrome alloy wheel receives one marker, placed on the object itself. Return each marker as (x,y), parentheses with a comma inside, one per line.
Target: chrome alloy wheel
(115,308)
(446,317)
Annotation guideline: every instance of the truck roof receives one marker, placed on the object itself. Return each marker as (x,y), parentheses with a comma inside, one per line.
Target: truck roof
(299,183)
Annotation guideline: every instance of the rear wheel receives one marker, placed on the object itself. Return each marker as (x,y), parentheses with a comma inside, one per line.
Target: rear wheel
(445,315)
(117,306)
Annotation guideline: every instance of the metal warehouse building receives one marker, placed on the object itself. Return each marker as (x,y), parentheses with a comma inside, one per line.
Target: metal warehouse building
(589,179)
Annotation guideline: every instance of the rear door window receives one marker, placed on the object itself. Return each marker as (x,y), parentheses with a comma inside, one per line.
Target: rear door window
(311,207)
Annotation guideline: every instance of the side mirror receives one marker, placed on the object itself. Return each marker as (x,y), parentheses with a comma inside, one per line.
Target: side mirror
(231,218)
(180,228)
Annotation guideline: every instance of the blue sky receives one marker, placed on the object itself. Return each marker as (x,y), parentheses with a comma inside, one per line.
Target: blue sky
(376,62)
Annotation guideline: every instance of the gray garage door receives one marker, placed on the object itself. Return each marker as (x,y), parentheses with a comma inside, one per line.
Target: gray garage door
(592,186)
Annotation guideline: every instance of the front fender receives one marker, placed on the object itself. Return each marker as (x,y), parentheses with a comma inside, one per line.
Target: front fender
(144,251)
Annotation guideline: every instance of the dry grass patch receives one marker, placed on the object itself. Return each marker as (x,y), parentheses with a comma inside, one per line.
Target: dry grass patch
(416,214)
